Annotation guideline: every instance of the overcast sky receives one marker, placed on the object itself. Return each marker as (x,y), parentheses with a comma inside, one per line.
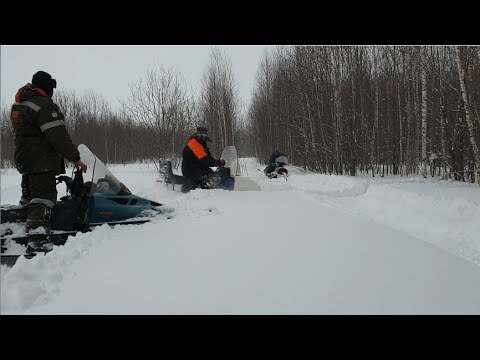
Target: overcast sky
(108,69)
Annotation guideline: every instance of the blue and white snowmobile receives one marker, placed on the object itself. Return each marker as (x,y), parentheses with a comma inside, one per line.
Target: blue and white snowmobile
(94,198)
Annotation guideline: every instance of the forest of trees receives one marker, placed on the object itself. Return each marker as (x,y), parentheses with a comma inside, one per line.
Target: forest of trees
(380,109)
(154,122)
(333,109)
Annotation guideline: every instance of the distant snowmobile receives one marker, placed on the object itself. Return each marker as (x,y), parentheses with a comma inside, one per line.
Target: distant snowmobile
(276,168)
(102,199)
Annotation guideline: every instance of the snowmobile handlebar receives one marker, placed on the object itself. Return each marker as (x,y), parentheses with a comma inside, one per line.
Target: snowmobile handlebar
(66,179)
(74,185)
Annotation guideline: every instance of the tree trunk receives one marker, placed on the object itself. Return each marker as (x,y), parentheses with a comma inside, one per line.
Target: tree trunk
(424,120)
(468,116)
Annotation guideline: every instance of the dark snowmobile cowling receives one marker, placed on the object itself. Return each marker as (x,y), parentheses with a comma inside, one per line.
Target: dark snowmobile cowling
(183,184)
(274,171)
(230,174)
(95,198)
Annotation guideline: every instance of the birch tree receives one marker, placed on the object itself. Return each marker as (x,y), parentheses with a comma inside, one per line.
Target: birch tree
(462,72)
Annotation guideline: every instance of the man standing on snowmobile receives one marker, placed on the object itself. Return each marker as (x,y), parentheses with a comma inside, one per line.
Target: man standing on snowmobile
(41,143)
(197,160)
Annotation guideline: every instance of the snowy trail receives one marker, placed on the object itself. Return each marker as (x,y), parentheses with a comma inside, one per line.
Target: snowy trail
(446,215)
(309,245)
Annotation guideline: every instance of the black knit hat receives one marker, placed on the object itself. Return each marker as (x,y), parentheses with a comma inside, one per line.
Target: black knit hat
(44,80)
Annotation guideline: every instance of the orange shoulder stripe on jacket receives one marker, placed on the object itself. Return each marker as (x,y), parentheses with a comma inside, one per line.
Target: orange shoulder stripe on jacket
(197,149)
(28,86)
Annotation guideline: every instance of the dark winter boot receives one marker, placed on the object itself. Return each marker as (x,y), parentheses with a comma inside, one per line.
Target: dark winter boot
(38,226)
(38,243)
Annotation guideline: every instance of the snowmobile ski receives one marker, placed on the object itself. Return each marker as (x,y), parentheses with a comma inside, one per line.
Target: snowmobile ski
(55,238)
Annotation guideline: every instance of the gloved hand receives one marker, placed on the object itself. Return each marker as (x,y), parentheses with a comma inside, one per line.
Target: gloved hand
(221,162)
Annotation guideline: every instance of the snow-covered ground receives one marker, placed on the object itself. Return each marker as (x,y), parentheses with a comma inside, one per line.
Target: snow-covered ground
(315,244)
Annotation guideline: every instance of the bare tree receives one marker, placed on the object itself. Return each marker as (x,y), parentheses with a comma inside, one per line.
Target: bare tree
(160,102)
(219,109)
(424,117)
(461,60)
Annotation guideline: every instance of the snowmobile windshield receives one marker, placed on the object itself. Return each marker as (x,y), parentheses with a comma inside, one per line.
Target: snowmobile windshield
(98,176)
(229,154)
